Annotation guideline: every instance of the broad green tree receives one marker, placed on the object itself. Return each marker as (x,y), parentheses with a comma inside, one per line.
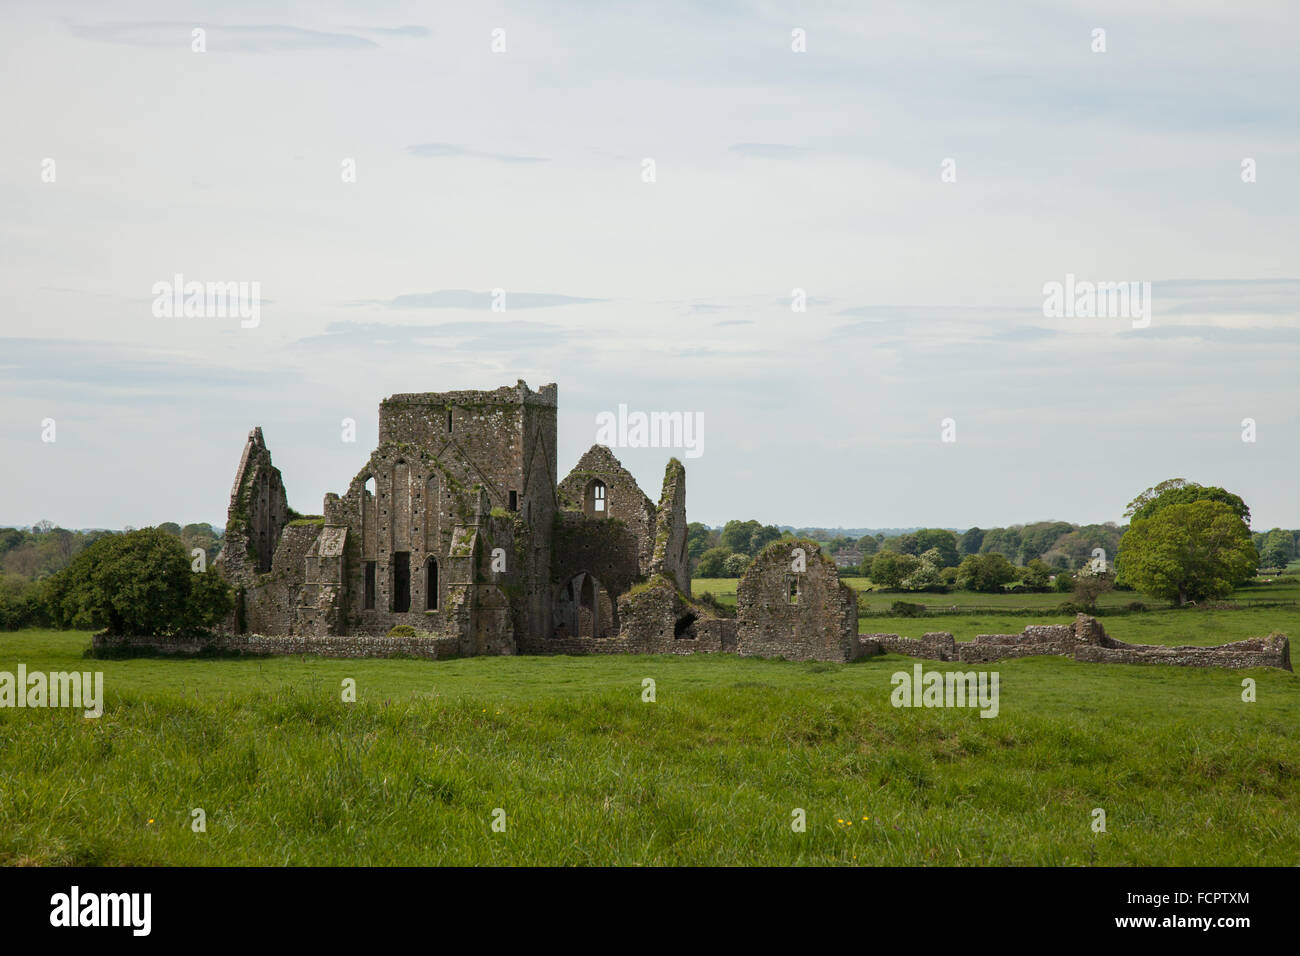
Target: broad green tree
(713,563)
(985,572)
(889,568)
(1187,552)
(1036,575)
(140,583)
(1276,548)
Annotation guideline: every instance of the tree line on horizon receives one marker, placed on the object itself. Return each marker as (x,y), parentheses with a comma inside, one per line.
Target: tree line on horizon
(1172,526)
(1185,542)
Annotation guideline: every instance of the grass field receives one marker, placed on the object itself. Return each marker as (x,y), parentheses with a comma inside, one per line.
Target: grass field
(1155,627)
(588,773)
(724,589)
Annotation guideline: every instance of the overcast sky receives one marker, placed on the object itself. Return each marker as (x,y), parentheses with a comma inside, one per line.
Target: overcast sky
(775,170)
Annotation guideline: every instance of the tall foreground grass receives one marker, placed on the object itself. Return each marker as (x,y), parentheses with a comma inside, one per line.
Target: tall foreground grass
(588,773)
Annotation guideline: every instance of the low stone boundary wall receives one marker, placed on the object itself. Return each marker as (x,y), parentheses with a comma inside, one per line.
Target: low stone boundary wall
(359,645)
(1271,651)
(938,646)
(1085,640)
(996,652)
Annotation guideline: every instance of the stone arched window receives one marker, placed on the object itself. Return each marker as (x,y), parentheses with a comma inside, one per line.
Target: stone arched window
(400,586)
(596,501)
(589,607)
(431,584)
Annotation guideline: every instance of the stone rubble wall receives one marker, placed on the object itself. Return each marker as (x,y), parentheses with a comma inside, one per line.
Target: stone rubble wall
(936,647)
(1271,651)
(1087,640)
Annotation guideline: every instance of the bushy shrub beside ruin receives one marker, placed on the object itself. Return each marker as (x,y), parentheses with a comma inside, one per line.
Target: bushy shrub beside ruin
(907,609)
(141,584)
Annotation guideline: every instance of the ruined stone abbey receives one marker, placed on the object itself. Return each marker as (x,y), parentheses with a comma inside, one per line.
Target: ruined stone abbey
(456,537)
(457,527)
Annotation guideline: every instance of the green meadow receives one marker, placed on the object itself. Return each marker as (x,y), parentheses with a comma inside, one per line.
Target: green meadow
(711,772)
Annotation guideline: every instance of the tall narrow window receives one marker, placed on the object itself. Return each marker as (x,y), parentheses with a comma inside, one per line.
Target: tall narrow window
(369,603)
(449,421)
(588,609)
(431,584)
(401,581)
(594,501)
(514,501)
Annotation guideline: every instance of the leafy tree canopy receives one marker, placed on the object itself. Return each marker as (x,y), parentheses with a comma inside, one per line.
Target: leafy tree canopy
(985,572)
(139,583)
(713,563)
(1180,491)
(1187,552)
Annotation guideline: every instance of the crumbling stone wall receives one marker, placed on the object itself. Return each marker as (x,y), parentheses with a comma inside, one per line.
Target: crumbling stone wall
(623,499)
(322,598)
(669,556)
(605,548)
(791,603)
(271,602)
(655,618)
(604,540)
(258,513)
(1086,640)
(937,646)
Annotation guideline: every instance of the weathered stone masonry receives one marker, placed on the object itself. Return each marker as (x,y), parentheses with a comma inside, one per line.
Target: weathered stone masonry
(457,528)
(791,603)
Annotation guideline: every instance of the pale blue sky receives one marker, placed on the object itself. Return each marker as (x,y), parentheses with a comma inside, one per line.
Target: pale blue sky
(775,170)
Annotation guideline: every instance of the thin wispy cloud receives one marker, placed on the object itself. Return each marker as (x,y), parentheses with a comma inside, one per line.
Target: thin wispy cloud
(88,364)
(234,38)
(450,151)
(771,151)
(410,30)
(509,335)
(468,299)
